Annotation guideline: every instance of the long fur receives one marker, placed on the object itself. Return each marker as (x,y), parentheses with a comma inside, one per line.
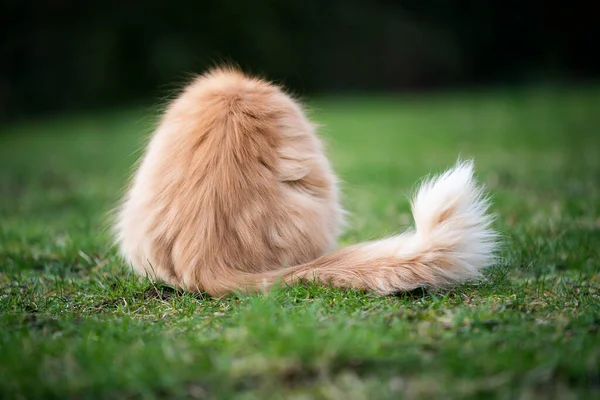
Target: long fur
(235,193)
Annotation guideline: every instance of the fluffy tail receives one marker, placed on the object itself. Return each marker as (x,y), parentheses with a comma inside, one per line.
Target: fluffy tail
(453,240)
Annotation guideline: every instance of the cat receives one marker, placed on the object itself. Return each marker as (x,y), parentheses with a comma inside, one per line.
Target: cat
(235,194)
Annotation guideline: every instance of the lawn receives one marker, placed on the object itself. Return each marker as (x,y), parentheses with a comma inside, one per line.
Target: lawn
(74,323)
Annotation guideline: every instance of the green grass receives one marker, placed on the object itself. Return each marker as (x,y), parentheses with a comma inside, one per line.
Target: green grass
(76,324)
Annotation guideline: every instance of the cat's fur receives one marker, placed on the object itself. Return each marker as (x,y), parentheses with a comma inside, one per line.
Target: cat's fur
(235,193)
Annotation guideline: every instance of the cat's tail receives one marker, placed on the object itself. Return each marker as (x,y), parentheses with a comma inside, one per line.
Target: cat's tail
(452,241)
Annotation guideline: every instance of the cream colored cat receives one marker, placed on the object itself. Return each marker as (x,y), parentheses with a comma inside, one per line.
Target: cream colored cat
(235,193)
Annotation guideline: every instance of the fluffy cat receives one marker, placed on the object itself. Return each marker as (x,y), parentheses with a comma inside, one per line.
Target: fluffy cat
(235,194)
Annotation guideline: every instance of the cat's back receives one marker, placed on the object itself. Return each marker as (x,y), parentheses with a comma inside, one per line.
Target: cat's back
(235,176)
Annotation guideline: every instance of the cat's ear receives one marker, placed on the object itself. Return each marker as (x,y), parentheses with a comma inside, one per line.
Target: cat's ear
(293,164)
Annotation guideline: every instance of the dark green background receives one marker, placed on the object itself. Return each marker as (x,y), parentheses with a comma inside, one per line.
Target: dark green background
(66,54)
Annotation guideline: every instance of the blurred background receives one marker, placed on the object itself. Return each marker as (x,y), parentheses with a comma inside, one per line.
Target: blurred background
(59,55)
